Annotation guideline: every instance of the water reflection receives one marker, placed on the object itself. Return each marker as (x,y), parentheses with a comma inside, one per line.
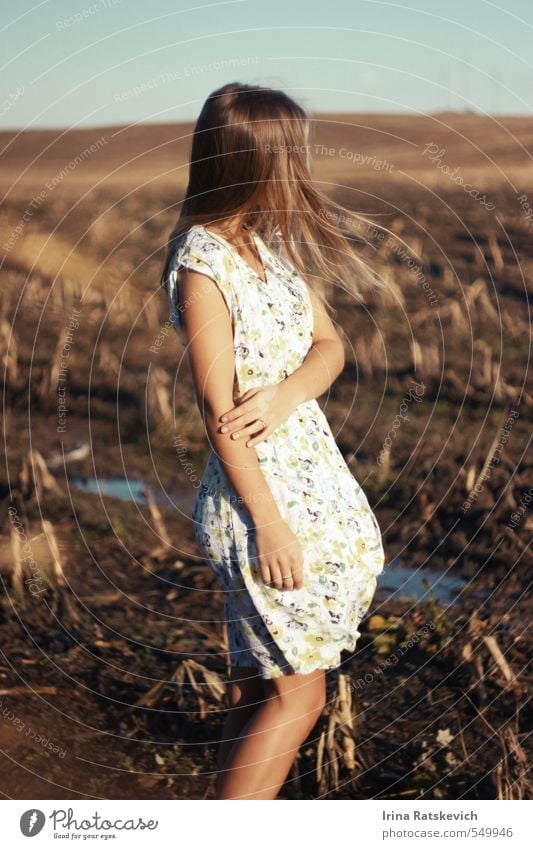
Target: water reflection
(132,489)
(399,581)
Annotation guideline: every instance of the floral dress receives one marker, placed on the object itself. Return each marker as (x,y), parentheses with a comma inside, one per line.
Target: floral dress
(280,632)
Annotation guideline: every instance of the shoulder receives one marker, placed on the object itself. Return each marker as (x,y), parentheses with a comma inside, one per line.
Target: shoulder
(198,250)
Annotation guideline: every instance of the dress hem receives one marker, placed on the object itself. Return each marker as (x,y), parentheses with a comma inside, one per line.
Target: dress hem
(267,677)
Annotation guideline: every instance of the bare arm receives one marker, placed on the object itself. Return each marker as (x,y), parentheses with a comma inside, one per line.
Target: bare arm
(212,359)
(323,363)
(274,404)
(209,335)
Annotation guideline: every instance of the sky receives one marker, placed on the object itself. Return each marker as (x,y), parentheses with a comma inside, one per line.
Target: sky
(76,63)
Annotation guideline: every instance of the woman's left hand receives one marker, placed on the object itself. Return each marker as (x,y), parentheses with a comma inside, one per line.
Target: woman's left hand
(270,404)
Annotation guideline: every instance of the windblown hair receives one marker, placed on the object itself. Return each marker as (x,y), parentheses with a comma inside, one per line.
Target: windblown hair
(250,158)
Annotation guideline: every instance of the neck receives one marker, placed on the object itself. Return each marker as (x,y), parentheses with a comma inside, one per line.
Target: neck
(233,230)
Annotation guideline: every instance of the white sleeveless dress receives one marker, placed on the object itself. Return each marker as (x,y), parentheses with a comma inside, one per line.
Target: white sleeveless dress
(280,632)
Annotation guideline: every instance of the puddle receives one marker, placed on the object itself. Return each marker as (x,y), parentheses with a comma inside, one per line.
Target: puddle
(399,581)
(131,489)
(127,489)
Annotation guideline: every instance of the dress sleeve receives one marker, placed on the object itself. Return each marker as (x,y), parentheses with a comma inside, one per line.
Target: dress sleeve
(206,256)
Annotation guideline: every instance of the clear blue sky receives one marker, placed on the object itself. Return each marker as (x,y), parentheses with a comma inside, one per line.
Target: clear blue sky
(99,62)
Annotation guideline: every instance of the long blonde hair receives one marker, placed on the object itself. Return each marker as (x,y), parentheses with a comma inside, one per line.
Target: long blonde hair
(250,158)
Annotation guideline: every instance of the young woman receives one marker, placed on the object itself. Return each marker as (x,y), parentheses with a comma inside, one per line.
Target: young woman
(279,516)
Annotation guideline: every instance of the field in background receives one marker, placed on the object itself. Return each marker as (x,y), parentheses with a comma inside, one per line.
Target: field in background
(113,648)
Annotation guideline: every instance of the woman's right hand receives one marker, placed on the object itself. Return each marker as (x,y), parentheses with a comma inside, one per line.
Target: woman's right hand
(280,555)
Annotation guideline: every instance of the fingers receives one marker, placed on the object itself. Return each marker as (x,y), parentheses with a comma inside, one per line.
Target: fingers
(282,577)
(292,580)
(298,578)
(296,570)
(271,574)
(253,427)
(249,394)
(275,577)
(239,404)
(261,435)
(288,583)
(265,571)
(239,421)
(243,408)
(281,558)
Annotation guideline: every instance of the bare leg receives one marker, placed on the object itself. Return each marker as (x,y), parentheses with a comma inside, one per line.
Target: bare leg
(260,760)
(245,695)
